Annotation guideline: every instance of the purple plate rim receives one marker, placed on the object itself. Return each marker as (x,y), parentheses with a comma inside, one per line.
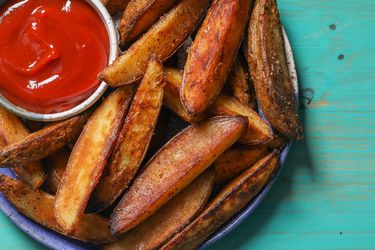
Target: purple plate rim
(57,241)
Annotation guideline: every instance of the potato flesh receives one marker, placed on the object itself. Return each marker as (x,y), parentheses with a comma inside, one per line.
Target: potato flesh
(169,219)
(162,40)
(133,140)
(139,15)
(88,158)
(174,167)
(258,131)
(13,130)
(38,206)
(228,202)
(212,53)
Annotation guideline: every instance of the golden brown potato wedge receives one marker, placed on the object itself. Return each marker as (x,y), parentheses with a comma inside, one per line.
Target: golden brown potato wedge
(162,40)
(174,167)
(12,130)
(139,16)
(115,7)
(133,140)
(88,158)
(42,143)
(269,70)
(240,85)
(56,165)
(212,53)
(173,78)
(228,202)
(38,206)
(258,131)
(169,219)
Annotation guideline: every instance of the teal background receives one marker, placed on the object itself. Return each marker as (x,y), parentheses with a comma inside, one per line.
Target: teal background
(325,196)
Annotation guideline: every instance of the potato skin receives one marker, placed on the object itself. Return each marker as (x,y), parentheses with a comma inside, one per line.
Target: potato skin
(174,167)
(39,144)
(212,53)
(88,158)
(12,130)
(38,206)
(133,141)
(258,131)
(162,40)
(228,202)
(269,70)
(139,15)
(170,218)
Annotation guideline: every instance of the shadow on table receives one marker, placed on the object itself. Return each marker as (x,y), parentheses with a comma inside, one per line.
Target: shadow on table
(299,157)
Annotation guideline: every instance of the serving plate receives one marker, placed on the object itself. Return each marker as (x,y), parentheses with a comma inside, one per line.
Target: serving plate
(54,240)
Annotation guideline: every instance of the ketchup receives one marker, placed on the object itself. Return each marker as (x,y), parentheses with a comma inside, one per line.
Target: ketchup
(50,53)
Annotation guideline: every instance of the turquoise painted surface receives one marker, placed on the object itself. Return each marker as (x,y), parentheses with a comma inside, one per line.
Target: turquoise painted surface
(325,197)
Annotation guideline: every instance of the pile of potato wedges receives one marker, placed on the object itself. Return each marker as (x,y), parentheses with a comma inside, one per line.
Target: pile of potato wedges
(113,177)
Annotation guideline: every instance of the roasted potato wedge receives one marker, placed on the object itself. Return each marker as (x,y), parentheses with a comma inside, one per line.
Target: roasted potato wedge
(115,7)
(38,206)
(12,130)
(212,53)
(133,140)
(169,219)
(162,39)
(139,16)
(88,158)
(42,143)
(56,165)
(229,201)
(239,84)
(258,131)
(269,70)
(174,167)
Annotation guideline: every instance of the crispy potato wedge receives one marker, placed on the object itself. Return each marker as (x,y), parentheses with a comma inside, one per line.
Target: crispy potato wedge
(239,84)
(38,206)
(88,158)
(42,143)
(212,53)
(56,165)
(173,78)
(163,39)
(269,70)
(139,16)
(174,167)
(228,202)
(258,131)
(133,140)
(169,219)
(115,7)
(12,130)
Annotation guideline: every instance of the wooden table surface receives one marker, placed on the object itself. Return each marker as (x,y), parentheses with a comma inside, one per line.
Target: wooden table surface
(325,196)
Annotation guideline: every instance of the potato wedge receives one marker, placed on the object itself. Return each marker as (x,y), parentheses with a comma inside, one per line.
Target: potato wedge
(269,70)
(162,39)
(174,167)
(239,84)
(42,143)
(212,53)
(88,158)
(139,16)
(133,140)
(258,131)
(115,7)
(12,130)
(38,206)
(228,202)
(169,219)
(56,165)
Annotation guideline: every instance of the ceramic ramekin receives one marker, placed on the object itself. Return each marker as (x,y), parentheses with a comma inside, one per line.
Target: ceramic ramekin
(102,87)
